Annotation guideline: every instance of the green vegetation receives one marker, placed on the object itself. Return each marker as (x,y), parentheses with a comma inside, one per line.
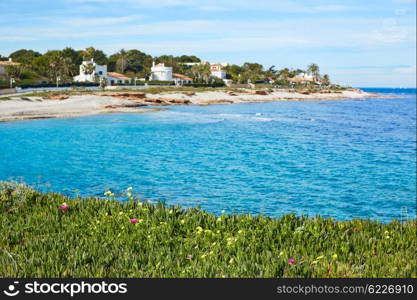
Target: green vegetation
(50,235)
(37,68)
(121,89)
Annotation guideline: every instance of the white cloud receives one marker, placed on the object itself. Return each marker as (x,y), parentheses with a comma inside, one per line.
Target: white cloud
(405,70)
(288,6)
(319,33)
(213,8)
(210,46)
(141,3)
(89,22)
(331,8)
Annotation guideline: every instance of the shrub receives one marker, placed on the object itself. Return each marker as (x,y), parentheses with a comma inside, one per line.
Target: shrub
(212,85)
(52,235)
(51,85)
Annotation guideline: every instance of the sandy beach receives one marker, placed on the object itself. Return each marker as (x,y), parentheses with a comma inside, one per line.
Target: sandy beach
(21,107)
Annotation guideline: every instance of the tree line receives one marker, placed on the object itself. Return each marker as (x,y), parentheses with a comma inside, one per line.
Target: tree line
(36,67)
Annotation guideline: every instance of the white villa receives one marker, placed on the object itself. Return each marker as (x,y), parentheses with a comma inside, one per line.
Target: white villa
(89,71)
(303,78)
(161,73)
(216,70)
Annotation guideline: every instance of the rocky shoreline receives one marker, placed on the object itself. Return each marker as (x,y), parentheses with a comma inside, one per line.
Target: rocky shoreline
(17,108)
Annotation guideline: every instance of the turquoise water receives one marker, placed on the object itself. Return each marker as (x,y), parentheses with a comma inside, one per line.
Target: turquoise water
(345,159)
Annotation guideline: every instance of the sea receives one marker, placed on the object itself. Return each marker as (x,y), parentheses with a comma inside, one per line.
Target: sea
(341,158)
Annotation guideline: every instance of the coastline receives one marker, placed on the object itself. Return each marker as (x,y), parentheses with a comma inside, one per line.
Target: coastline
(32,106)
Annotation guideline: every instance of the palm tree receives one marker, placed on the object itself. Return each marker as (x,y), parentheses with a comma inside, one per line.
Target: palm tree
(88,68)
(325,80)
(201,72)
(205,72)
(314,70)
(88,53)
(284,73)
(121,63)
(271,72)
(59,66)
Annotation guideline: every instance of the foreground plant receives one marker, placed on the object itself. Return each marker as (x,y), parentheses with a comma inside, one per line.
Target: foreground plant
(93,237)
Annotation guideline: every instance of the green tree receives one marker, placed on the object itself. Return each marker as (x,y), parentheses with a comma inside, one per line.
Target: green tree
(53,64)
(168,60)
(284,74)
(325,80)
(14,72)
(91,53)
(59,66)
(88,68)
(314,70)
(132,61)
(251,72)
(233,72)
(121,63)
(138,62)
(271,72)
(188,59)
(74,59)
(201,72)
(24,56)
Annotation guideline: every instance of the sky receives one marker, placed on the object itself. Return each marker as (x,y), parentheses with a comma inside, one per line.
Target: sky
(358,43)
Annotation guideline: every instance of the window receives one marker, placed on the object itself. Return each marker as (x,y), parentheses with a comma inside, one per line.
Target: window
(100,72)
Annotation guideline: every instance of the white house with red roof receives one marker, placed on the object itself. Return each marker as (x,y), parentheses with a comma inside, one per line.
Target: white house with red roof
(89,71)
(180,79)
(92,72)
(117,78)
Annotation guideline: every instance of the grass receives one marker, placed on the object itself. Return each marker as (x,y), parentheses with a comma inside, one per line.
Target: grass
(169,89)
(149,90)
(95,238)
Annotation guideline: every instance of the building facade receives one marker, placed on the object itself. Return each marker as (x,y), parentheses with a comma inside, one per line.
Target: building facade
(304,78)
(216,70)
(180,79)
(117,78)
(161,73)
(89,71)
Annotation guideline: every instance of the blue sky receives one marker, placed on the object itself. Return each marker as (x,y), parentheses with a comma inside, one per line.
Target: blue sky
(359,43)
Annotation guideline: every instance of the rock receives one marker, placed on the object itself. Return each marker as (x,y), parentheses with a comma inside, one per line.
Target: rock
(261,93)
(179,101)
(209,102)
(135,105)
(110,106)
(153,100)
(127,95)
(156,101)
(57,97)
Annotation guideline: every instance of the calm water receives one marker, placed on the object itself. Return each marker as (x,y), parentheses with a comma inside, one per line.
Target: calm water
(343,159)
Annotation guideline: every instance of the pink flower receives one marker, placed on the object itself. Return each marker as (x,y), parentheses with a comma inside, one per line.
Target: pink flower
(134,221)
(291,261)
(189,256)
(64,207)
